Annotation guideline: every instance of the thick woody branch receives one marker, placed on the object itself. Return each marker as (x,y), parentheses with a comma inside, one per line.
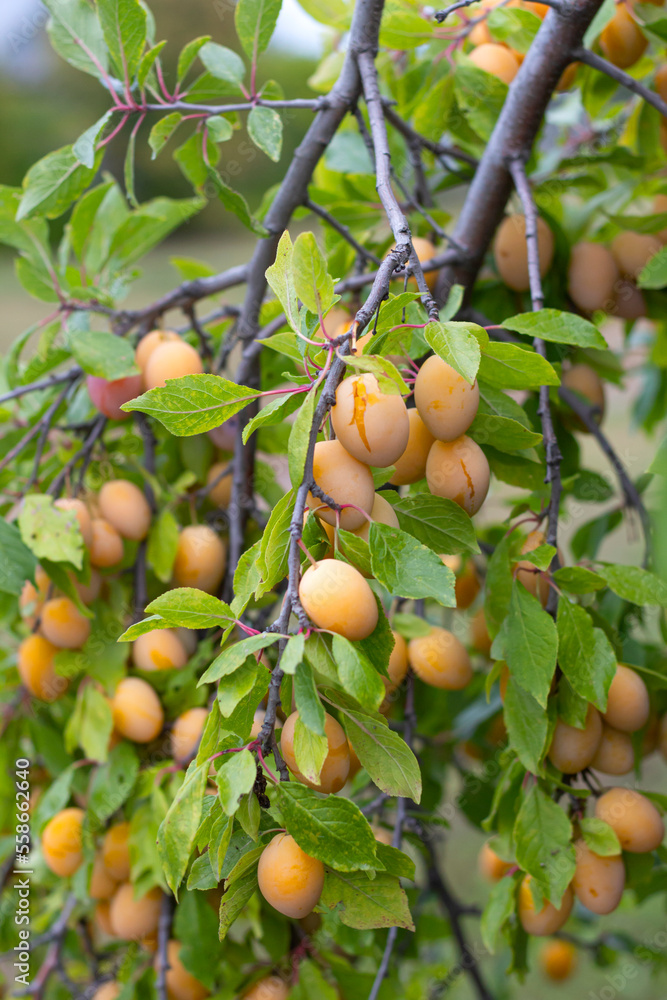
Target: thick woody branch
(597,62)
(515,132)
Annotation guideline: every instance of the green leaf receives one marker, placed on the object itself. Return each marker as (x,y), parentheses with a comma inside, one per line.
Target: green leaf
(17,563)
(395,862)
(357,674)
(299,439)
(51,533)
(236,778)
(272,560)
(654,274)
(274,412)
(542,556)
(234,202)
(458,345)
(407,568)
(280,277)
(309,706)
(188,607)
(102,354)
(434,521)
(355,550)
(388,759)
(519,26)
(557,327)
(235,656)
(223,64)
(255,23)
(499,908)
(497,403)
(330,829)
(502,433)
(527,726)
(188,54)
(364,904)
(84,147)
(239,887)
(310,751)
(76,35)
(578,580)
(148,226)
(219,129)
(585,654)
(163,545)
(600,837)
(312,281)
(634,584)
(528,643)
(178,830)
(265,128)
(112,782)
(124,26)
(238,685)
(148,60)
(246,578)
(193,404)
(162,132)
(508,366)
(54,182)
(293,653)
(90,724)
(543,831)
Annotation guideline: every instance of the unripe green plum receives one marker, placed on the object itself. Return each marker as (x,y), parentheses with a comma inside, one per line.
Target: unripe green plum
(116,851)
(459,471)
(82,516)
(548,920)
(371,425)
(440,659)
(336,765)
(132,919)
(106,548)
(169,360)
(622,41)
(200,559)
(445,401)
(289,879)
(614,754)
(633,818)
(181,984)
(497,60)
(62,623)
(61,842)
(573,749)
(598,881)
(126,508)
(137,712)
(410,467)
(159,650)
(628,704)
(345,480)
(35,663)
(108,397)
(592,277)
(186,733)
(382,512)
(338,599)
(511,254)
(558,960)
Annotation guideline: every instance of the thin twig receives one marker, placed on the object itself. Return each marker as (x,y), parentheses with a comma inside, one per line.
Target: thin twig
(163,935)
(41,384)
(82,455)
(625,80)
(341,230)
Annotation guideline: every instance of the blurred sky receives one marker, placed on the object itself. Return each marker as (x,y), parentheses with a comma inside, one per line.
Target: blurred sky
(23,54)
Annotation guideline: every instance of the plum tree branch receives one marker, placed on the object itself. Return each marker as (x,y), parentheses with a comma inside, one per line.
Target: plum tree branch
(586,414)
(552,451)
(620,76)
(163,935)
(515,131)
(341,230)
